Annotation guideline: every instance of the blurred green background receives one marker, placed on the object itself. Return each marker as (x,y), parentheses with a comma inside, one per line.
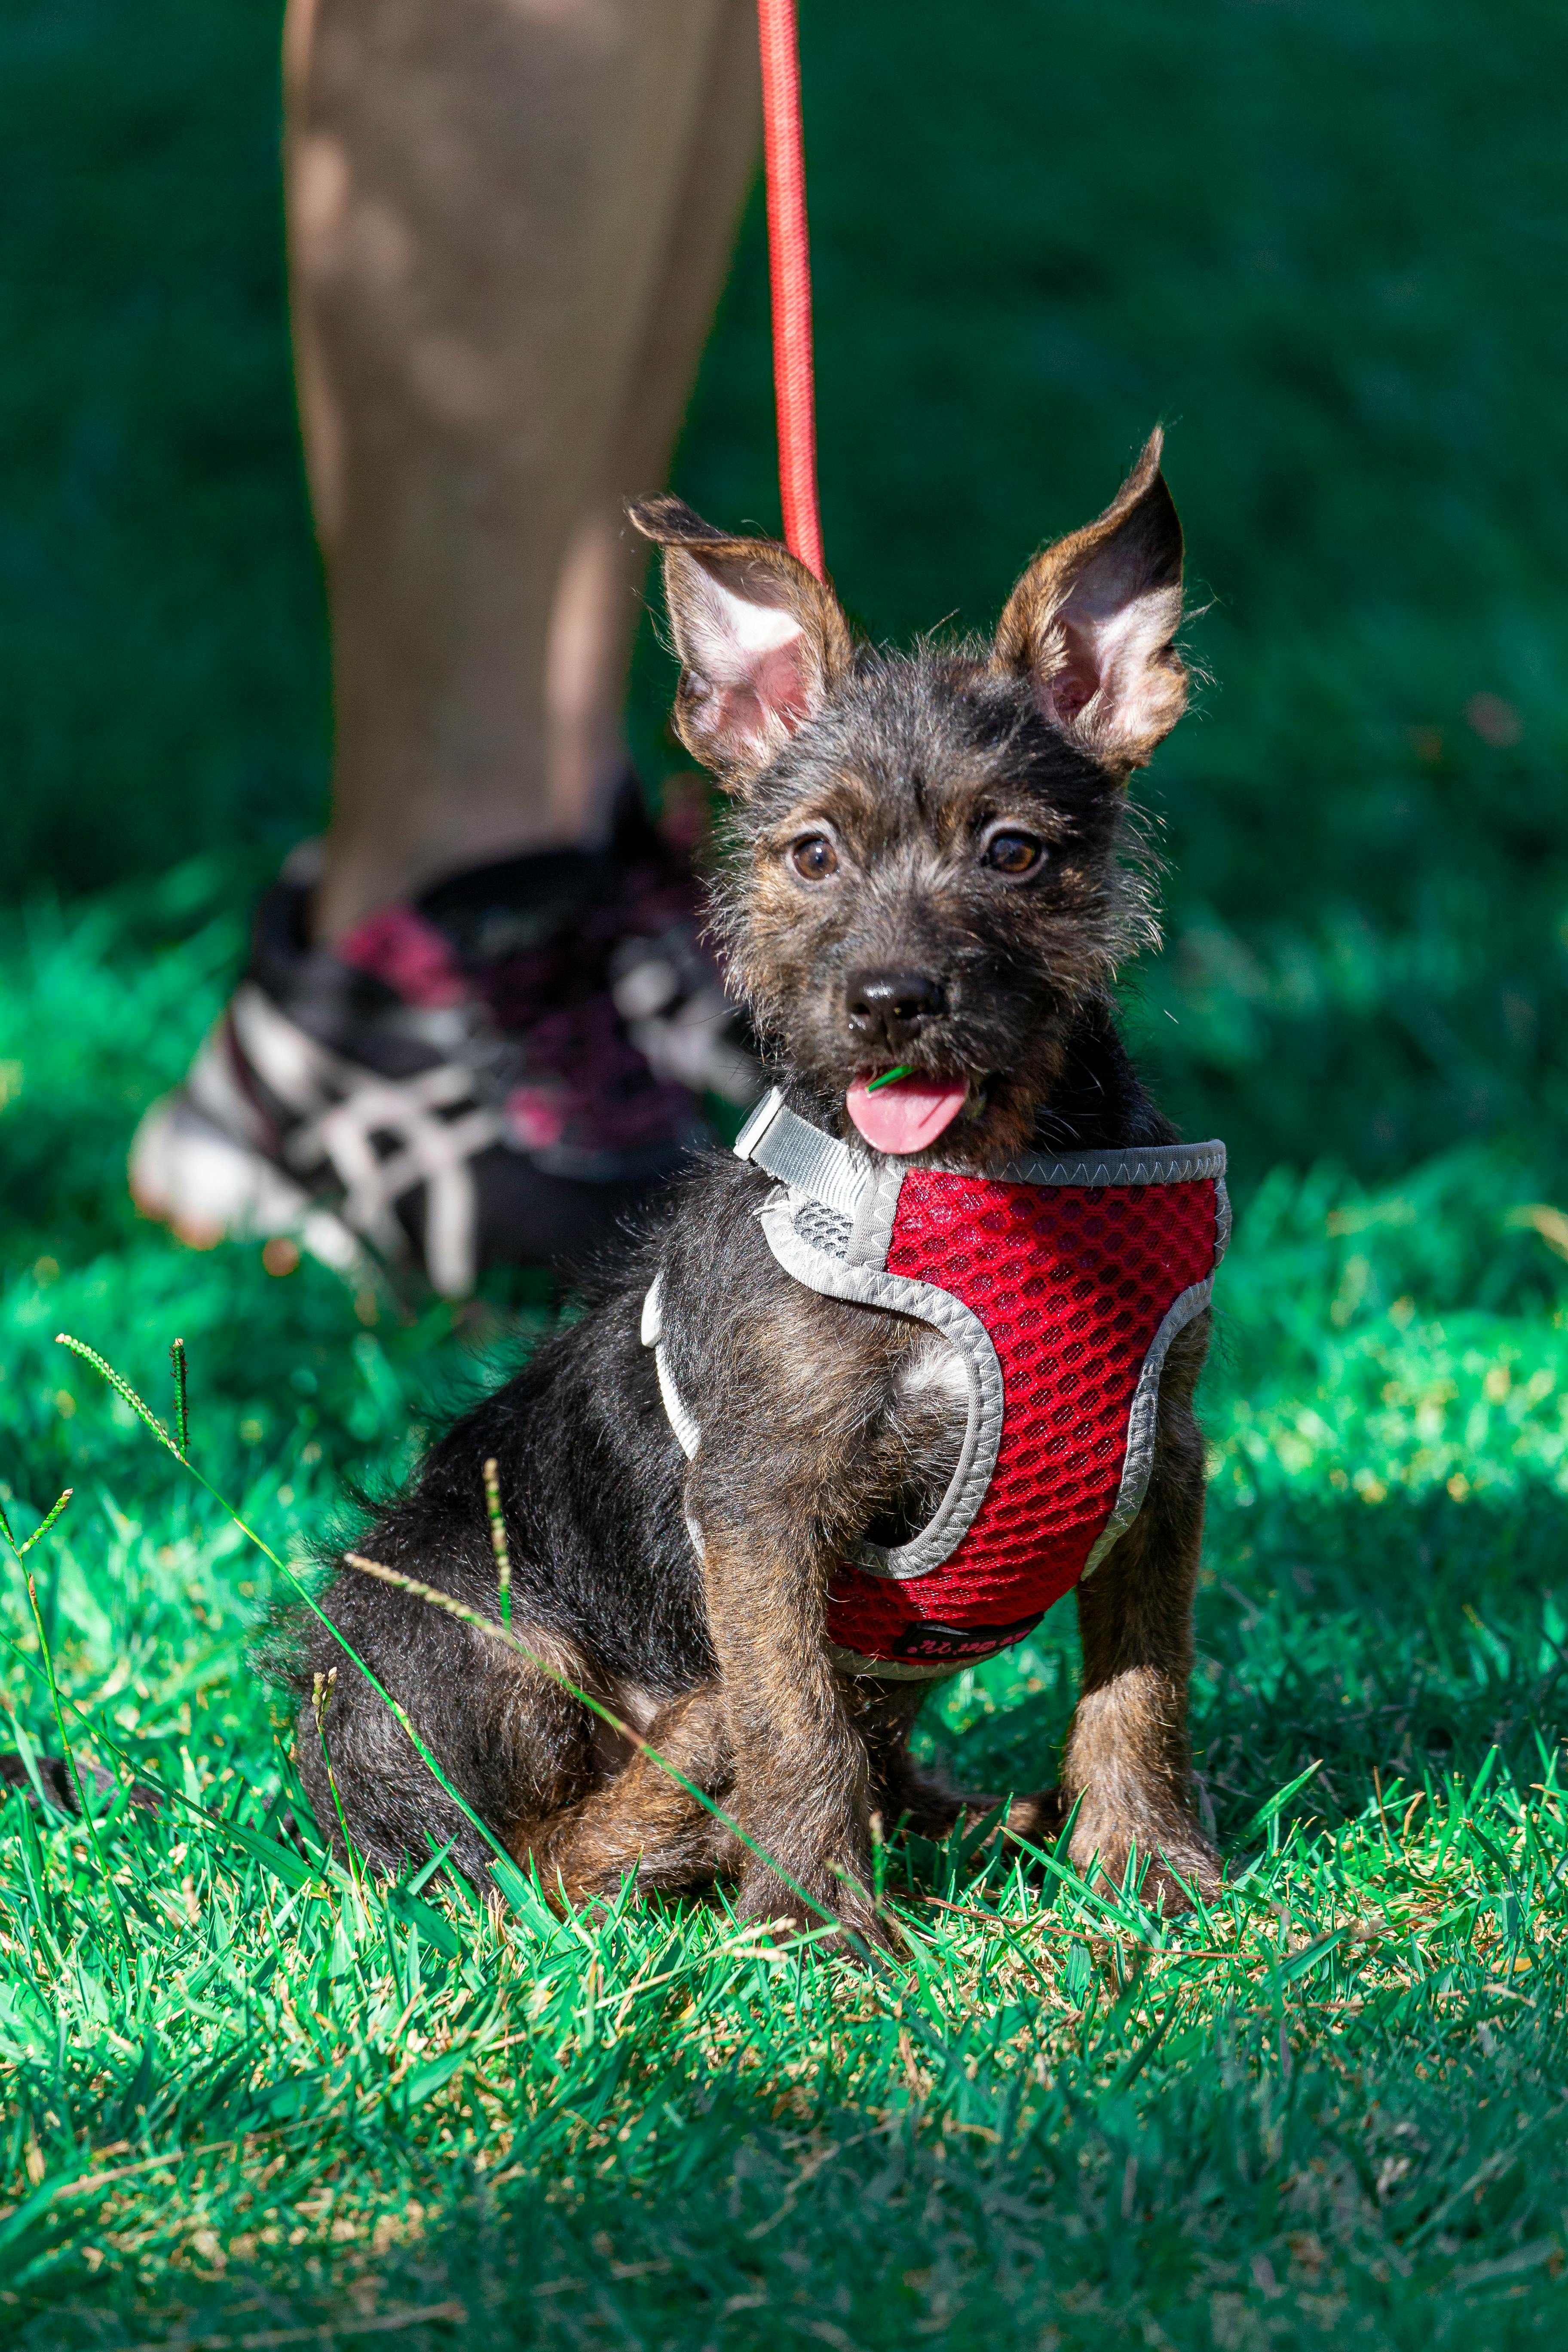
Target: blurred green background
(1325,244)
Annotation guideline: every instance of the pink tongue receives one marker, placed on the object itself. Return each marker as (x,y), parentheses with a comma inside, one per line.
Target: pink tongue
(905,1116)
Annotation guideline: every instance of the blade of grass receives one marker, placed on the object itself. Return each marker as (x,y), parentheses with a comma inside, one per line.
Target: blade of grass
(497,1541)
(122,1388)
(1277,1803)
(293,1869)
(29,1757)
(127,1393)
(182,1412)
(47,1655)
(321,1692)
(438,1600)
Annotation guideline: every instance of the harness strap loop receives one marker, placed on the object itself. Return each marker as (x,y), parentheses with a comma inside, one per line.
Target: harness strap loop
(777,1140)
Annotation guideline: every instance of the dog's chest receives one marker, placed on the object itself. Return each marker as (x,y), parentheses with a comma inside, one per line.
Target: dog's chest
(923,1426)
(1015,1409)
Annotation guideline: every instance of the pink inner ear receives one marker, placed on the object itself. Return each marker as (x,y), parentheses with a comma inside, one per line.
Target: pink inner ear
(779,682)
(1077,681)
(775,691)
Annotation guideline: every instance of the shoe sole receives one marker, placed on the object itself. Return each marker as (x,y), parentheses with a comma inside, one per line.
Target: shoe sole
(207,1186)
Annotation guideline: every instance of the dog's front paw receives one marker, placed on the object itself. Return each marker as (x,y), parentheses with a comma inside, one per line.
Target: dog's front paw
(839,1916)
(1177,1862)
(1171,1881)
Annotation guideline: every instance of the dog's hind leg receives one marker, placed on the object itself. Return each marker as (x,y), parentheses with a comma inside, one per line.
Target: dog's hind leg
(644,1819)
(884,1714)
(903,1791)
(515,1745)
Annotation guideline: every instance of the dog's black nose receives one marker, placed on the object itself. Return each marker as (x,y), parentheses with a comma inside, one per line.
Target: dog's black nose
(890,1008)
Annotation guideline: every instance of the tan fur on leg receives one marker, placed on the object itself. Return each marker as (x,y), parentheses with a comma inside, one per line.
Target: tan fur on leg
(1127,1754)
(643,1820)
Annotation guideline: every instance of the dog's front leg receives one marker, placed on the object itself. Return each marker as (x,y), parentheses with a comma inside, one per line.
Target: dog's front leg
(801,1782)
(1127,1760)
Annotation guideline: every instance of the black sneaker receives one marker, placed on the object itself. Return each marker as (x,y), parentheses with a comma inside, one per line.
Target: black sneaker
(492,1075)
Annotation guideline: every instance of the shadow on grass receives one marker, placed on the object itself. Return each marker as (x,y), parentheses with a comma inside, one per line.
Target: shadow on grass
(1382,1641)
(1233,2193)
(1378,2152)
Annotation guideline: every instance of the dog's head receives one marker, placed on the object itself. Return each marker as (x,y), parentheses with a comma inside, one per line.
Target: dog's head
(927,876)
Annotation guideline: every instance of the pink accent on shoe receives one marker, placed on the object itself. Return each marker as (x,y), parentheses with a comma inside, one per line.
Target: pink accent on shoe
(399,946)
(538,1116)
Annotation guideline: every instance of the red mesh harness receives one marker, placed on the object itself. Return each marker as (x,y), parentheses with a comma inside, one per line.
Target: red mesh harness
(1060,1284)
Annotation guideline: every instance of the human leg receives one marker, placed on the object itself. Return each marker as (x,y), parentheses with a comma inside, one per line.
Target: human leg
(508,225)
(597,598)
(508,228)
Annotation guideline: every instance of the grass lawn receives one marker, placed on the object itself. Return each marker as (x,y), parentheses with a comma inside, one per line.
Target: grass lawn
(247,2102)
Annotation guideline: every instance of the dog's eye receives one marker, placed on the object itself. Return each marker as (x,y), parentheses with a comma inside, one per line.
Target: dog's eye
(815,856)
(1012,853)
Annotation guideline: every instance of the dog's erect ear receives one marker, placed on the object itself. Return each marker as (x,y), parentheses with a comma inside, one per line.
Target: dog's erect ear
(1091,621)
(761,641)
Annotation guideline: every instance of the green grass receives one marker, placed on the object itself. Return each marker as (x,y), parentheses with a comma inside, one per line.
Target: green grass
(243,2100)
(1334,2104)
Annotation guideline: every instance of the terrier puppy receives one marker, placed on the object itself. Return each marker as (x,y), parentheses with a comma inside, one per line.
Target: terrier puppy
(869,1397)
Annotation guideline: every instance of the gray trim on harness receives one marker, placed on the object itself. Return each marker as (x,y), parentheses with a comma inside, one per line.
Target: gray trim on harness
(1137,1462)
(865,1286)
(893,1293)
(1147,1163)
(871,1233)
(1221,1217)
(687,1435)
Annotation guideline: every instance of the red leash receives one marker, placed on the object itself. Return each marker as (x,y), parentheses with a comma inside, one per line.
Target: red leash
(789,272)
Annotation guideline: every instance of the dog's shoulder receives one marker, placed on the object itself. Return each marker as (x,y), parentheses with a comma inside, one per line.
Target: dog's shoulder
(715,1270)
(739,1336)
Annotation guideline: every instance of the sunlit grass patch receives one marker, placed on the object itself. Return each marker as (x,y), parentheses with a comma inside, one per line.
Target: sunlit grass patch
(1333,2085)
(1332,2100)
(243,2093)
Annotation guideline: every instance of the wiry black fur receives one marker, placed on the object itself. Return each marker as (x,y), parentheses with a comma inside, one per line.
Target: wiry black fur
(590,1480)
(816,1425)
(588,1473)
